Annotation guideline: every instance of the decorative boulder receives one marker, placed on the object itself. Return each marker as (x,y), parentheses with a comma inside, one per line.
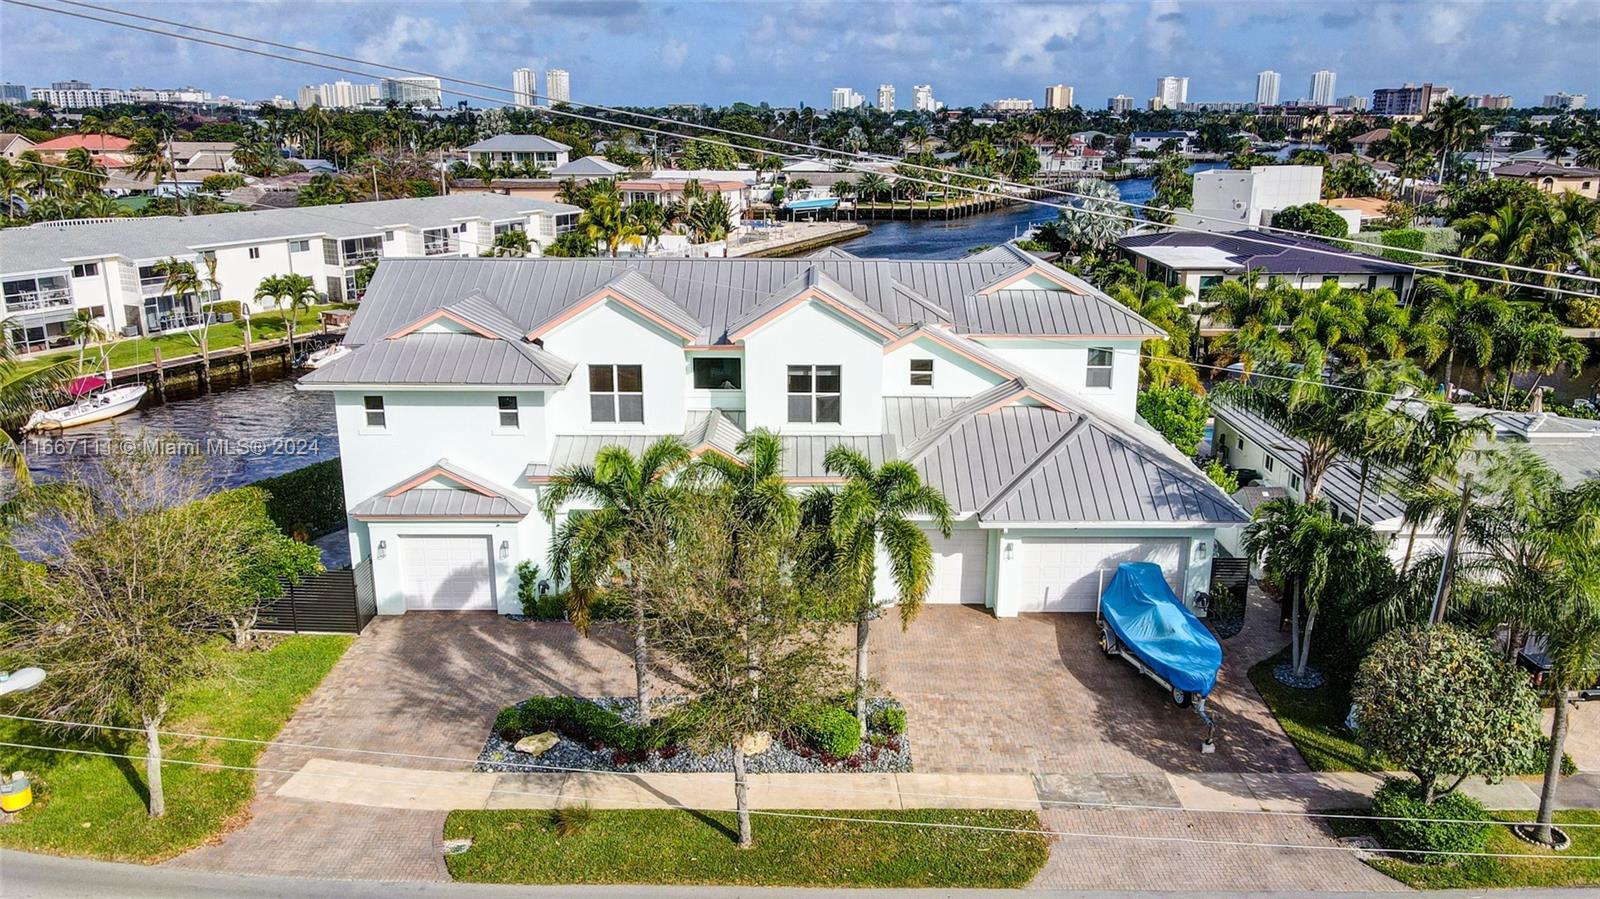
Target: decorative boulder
(756,743)
(537,744)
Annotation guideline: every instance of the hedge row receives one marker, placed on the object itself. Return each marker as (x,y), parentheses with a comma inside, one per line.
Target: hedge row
(308,500)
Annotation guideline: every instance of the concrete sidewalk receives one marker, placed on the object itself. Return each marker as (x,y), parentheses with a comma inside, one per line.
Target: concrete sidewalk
(381,786)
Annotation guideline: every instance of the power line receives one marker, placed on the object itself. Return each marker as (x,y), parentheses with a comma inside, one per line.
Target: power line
(639,804)
(810,147)
(813,148)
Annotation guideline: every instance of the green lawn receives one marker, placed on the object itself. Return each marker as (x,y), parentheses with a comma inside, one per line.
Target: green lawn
(1314,721)
(95,806)
(140,350)
(685,847)
(1476,873)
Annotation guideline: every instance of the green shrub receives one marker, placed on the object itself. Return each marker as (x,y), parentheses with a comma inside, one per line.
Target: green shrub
(1222,476)
(528,588)
(309,499)
(888,720)
(1227,603)
(579,720)
(509,719)
(1311,218)
(829,729)
(1177,413)
(1420,827)
(1403,239)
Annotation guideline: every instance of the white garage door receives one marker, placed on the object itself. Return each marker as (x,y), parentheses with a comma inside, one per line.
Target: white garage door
(446,572)
(1063,574)
(960,566)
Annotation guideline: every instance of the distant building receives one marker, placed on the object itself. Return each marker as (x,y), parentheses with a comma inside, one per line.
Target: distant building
(922,98)
(1552,178)
(1171,91)
(1322,82)
(1267,88)
(1490,101)
(1353,102)
(181,96)
(1200,262)
(1409,99)
(1154,140)
(1561,100)
(413,91)
(338,95)
(557,88)
(1238,200)
(845,98)
(1120,103)
(1058,96)
(523,90)
(518,149)
(13,93)
(886,98)
(1012,104)
(84,97)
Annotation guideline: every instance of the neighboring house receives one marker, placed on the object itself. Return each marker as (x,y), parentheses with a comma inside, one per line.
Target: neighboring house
(1242,199)
(14,145)
(1250,444)
(1155,140)
(202,157)
(107,149)
(518,149)
(1202,261)
(1363,212)
(1554,179)
(473,382)
(315,166)
(1364,142)
(667,191)
(51,270)
(588,168)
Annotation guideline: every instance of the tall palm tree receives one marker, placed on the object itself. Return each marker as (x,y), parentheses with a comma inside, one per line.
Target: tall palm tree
(605,221)
(83,175)
(150,157)
(85,330)
(1257,308)
(651,219)
(1166,361)
(1470,318)
(22,391)
(181,280)
(1509,236)
(629,499)
(875,509)
(1452,127)
(11,192)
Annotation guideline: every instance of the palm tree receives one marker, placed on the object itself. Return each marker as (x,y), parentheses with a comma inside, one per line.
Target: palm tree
(85,330)
(11,192)
(83,175)
(873,510)
(1469,317)
(873,186)
(150,157)
(1452,127)
(1509,235)
(651,219)
(605,220)
(630,499)
(1166,361)
(181,280)
(1533,340)
(1258,309)
(317,119)
(1440,439)
(21,392)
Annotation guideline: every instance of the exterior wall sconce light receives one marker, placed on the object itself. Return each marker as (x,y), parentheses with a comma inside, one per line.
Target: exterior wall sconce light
(505,549)
(383,548)
(1011,550)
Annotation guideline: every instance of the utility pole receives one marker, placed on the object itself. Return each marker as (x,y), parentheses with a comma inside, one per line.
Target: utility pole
(1447,573)
(374,181)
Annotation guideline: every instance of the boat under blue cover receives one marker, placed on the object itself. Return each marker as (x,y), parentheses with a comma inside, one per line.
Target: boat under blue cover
(1155,625)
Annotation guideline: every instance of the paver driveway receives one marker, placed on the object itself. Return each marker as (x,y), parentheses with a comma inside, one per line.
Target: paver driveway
(1028,695)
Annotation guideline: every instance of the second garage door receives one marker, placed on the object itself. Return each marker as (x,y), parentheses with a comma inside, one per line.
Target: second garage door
(446,573)
(960,566)
(1063,574)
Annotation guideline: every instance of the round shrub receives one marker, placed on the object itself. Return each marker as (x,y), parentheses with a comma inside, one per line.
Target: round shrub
(888,720)
(1424,828)
(830,730)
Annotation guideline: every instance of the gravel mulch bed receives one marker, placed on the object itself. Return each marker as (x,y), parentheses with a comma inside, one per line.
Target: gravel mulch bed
(1284,673)
(784,757)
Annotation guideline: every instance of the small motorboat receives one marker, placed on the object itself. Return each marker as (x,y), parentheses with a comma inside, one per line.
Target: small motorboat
(93,399)
(325,355)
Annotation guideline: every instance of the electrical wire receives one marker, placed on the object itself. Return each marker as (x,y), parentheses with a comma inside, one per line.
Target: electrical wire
(783,142)
(815,149)
(639,804)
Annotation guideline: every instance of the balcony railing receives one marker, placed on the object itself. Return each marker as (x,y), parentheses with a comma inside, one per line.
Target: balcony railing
(38,299)
(361,256)
(439,247)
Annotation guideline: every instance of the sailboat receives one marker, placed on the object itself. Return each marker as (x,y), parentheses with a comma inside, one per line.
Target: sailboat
(93,399)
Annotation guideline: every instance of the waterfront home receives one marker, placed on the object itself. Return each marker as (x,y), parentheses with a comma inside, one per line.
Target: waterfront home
(52,270)
(1242,199)
(1200,262)
(519,149)
(1153,141)
(1552,178)
(1009,383)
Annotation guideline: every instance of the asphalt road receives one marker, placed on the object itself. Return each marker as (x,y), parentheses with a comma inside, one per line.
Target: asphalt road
(26,876)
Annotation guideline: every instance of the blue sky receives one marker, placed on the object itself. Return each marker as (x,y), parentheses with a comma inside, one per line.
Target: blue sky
(785,52)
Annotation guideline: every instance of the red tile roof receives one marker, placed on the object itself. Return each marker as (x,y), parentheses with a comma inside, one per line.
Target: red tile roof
(95,143)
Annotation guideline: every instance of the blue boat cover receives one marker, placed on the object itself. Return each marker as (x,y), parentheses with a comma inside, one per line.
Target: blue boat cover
(1159,629)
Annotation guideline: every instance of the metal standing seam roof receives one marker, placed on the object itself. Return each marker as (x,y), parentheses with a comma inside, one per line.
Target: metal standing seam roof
(517,142)
(1273,253)
(427,359)
(812,279)
(45,246)
(588,165)
(475,498)
(643,291)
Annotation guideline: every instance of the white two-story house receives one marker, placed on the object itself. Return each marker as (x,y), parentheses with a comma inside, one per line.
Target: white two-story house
(1009,384)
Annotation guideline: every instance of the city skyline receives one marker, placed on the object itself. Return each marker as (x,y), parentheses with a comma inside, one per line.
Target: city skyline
(780,53)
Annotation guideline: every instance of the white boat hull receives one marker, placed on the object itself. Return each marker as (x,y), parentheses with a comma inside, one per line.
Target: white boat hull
(324,356)
(98,407)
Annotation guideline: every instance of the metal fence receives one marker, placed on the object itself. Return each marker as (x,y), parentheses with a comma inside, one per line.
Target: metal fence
(337,602)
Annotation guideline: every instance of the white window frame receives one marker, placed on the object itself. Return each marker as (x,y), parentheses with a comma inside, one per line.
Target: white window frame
(1092,369)
(299,246)
(614,393)
(1270,464)
(254,252)
(814,397)
(510,413)
(375,416)
(921,368)
(86,270)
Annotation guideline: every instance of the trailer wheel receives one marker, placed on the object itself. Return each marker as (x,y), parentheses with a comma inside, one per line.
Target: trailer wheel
(1108,642)
(1181,698)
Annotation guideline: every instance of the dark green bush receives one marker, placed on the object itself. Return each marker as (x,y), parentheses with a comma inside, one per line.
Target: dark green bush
(888,720)
(1419,827)
(829,729)
(309,499)
(1403,239)
(528,588)
(579,720)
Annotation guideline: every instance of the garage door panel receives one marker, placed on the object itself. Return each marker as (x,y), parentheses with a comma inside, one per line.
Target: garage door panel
(446,573)
(960,567)
(1065,574)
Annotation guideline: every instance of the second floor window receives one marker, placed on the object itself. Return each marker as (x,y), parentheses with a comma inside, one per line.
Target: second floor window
(255,252)
(86,270)
(509,416)
(616,393)
(716,373)
(1099,371)
(814,393)
(299,246)
(921,372)
(373,405)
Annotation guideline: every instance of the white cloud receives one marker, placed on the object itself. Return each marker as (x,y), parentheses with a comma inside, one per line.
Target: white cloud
(723,64)
(418,40)
(673,55)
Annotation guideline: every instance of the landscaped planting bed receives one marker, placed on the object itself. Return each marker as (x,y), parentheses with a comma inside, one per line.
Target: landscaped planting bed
(601,735)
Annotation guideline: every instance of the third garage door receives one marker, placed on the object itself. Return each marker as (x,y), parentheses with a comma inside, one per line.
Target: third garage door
(960,566)
(1063,574)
